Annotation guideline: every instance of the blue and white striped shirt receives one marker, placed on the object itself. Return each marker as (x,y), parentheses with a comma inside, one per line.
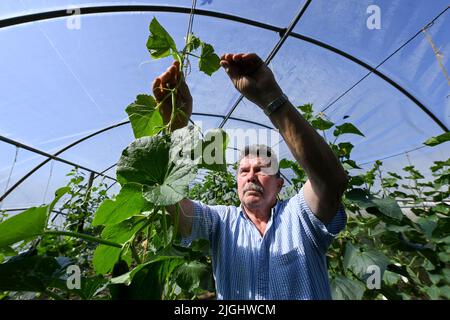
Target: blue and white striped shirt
(288,262)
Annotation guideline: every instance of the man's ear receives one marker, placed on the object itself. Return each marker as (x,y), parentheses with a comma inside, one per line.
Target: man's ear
(280,182)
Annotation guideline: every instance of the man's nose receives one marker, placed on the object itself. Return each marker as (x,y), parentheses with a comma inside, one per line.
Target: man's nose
(251,176)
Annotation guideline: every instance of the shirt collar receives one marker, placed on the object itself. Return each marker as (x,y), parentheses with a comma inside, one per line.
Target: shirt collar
(273,211)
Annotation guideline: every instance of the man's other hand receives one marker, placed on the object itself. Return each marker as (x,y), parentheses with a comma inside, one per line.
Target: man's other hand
(251,77)
(170,79)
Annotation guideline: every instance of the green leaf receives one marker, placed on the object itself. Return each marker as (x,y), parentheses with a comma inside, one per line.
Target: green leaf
(8,251)
(346,128)
(190,275)
(124,230)
(414,173)
(129,202)
(391,278)
(146,161)
(106,256)
(350,164)
(160,44)
(90,287)
(144,117)
(358,261)
(427,225)
(389,183)
(343,288)
(286,164)
(321,124)
(149,281)
(389,207)
(445,292)
(128,277)
(443,180)
(433,292)
(360,197)
(147,284)
(58,195)
(434,141)
(192,43)
(31,273)
(306,108)
(23,226)
(442,208)
(356,180)
(214,150)
(345,148)
(395,175)
(209,62)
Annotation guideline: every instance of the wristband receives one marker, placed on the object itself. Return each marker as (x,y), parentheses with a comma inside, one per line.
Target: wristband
(275,104)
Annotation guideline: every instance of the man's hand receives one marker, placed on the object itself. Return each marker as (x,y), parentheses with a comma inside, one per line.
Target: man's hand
(170,79)
(251,77)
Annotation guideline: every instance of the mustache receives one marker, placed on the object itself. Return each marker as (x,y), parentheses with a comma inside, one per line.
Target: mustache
(253,187)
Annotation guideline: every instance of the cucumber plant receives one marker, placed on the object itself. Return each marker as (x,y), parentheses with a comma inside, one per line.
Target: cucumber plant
(139,244)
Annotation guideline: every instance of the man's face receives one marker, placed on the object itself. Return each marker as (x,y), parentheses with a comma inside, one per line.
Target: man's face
(256,187)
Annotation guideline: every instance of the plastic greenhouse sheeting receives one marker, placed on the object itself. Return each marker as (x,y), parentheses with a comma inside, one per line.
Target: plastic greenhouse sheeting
(59,84)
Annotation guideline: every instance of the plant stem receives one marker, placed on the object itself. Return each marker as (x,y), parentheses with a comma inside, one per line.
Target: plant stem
(164,224)
(174,109)
(177,218)
(135,254)
(191,54)
(82,236)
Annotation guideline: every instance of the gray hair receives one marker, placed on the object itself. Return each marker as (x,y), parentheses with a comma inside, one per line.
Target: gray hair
(262,151)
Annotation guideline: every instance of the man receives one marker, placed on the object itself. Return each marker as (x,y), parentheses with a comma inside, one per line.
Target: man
(266,249)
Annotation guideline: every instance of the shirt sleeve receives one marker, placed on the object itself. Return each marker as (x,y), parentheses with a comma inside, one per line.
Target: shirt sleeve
(205,222)
(319,233)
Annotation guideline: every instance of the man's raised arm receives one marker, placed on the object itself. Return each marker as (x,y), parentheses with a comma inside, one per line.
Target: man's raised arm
(170,79)
(327,178)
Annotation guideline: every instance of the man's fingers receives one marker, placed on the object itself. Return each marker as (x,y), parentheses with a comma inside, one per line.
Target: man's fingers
(237,57)
(225,64)
(250,56)
(156,83)
(251,62)
(158,89)
(168,79)
(173,72)
(240,63)
(165,77)
(228,56)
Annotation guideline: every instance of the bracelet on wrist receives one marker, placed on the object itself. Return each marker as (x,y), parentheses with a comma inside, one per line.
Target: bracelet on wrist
(275,104)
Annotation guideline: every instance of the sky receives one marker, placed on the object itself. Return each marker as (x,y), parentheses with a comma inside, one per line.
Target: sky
(59,84)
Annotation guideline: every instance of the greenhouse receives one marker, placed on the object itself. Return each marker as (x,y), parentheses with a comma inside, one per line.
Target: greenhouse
(95,172)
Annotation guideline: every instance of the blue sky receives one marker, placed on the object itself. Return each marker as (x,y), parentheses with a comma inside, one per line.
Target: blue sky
(58,85)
